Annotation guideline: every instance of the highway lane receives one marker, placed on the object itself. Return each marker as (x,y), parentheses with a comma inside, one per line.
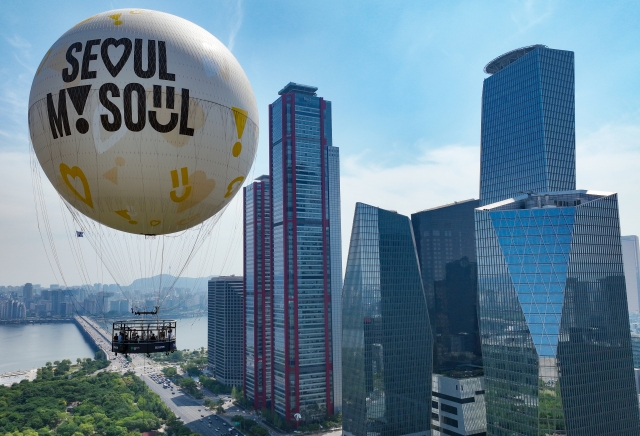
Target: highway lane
(184,406)
(191,411)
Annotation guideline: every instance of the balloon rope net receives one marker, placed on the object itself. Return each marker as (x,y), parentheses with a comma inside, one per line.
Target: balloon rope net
(161,259)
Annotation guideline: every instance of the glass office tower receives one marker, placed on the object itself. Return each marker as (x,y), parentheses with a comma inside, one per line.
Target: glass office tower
(225,330)
(257,293)
(528,124)
(553,316)
(445,242)
(307,263)
(387,341)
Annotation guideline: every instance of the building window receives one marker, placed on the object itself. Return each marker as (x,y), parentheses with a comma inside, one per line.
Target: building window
(450,421)
(435,416)
(449,409)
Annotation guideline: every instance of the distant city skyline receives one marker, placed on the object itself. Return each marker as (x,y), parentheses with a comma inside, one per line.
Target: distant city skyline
(397,145)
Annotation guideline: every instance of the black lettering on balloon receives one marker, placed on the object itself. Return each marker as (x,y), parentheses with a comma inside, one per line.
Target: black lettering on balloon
(114,70)
(151,59)
(78,96)
(128,108)
(75,65)
(111,107)
(171,96)
(162,48)
(184,114)
(87,58)
(58,120)
(157,102)
(163,128)
(157,96)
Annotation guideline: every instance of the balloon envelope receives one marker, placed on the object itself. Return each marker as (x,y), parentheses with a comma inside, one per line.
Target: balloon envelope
(143,121)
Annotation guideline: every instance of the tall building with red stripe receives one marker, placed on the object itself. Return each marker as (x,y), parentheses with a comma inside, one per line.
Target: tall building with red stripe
(258,293)
(307,264)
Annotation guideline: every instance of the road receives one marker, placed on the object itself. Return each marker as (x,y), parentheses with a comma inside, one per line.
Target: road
(188,409)
(99,335)
(191,411)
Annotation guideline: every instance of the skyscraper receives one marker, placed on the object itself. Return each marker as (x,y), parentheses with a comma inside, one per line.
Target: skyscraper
(386,332)
(553,316)
(27,292)
(445,242)
(226,330)
(307,265)
(631,259)
(258,293)
(528,124)
(552,302)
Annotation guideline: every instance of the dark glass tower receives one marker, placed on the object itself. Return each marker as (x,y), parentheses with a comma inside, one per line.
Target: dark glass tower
(553,315)
(225,330)
(528,124)
(307,265)
(387,343)
(445,241)
(257,293)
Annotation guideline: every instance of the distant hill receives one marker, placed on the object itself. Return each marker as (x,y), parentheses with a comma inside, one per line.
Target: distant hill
(197,284)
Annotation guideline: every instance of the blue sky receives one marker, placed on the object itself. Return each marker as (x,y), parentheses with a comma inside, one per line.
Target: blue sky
(405,79)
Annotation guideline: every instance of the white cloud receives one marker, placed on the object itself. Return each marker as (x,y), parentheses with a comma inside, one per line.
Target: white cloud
(18,42)
(236,23)
(608,159)
(531,13)
(439,176)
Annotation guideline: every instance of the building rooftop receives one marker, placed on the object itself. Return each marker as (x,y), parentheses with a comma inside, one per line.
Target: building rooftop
(447,205)
(546,200)
(298,88)
(508,58)
(263,178)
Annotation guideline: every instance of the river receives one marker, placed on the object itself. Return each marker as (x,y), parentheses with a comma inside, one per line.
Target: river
(27,346)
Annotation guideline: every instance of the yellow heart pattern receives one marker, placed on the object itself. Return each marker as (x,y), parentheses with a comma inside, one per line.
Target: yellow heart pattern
(77,173)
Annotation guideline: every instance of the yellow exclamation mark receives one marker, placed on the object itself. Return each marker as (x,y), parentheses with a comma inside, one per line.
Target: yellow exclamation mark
(241,119)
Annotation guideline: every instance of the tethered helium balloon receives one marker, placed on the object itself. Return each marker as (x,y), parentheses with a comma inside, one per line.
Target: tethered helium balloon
(143,121)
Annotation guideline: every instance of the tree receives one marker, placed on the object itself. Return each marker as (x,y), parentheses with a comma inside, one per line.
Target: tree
(192,370)
(170,371)
(235,394)
(220,410)
(100,355)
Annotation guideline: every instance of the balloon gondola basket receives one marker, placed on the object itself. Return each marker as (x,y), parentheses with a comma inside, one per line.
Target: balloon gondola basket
(140,336)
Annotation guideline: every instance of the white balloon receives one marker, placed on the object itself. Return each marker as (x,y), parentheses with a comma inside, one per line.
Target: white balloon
(115,134)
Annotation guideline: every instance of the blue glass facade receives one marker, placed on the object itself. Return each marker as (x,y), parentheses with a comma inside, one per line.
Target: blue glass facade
(258,293)
(528,124)
(553,316)
(386,344)
(307,265)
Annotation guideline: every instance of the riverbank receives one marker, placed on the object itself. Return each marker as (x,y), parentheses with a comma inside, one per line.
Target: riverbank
(35,321)
(9,378)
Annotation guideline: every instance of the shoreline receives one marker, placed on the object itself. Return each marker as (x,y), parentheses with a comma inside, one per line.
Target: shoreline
(9,378)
